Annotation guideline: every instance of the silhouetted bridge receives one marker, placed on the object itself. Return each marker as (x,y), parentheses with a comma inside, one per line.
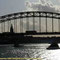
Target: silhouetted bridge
(29,23)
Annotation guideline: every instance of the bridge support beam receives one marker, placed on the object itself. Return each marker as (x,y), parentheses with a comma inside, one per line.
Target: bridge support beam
(15,25)
(59,25)
(8,23)
(27,24)
(46,23)
(1,27)
(33,24)
(4,26)
(39,24)
(52,24)
(21,25)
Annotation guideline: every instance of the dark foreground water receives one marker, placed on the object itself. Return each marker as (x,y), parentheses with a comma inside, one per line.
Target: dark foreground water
(29,51)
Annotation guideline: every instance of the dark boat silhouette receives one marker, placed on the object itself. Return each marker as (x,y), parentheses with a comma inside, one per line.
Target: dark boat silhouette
(54,45)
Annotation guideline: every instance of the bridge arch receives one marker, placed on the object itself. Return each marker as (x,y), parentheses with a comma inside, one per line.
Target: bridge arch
(18,20)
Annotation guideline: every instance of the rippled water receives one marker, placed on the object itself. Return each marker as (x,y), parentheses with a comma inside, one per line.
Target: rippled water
(29,51)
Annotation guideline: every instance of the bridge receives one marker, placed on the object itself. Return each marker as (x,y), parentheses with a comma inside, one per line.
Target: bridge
(30,23)
(34,20)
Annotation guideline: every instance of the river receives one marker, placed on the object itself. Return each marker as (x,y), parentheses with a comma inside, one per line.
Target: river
(29,51)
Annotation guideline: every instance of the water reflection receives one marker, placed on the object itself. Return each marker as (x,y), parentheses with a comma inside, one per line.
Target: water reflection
(30,51)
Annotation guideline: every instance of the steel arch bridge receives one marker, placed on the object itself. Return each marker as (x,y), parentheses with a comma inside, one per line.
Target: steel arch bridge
(40,21)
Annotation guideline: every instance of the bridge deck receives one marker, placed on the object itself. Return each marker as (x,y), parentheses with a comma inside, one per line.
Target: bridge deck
(12,38)
(32,33)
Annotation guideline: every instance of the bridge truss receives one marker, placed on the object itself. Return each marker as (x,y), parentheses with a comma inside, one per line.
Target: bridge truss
(33,20)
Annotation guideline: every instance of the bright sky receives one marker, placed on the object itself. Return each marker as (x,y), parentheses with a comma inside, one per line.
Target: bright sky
(11,6)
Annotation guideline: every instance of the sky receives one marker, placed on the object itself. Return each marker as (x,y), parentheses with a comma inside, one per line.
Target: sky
(43,5)
(13,6)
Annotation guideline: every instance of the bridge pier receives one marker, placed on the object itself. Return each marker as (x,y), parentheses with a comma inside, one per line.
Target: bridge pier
(16,45)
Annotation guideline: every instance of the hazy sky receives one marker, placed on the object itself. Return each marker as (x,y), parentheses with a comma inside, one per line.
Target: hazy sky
(11,6)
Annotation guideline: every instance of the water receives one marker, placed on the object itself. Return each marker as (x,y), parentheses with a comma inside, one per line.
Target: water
(29,51)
